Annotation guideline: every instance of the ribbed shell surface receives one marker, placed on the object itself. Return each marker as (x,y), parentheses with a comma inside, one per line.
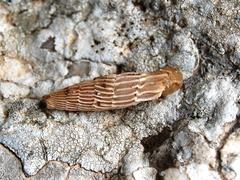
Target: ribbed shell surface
(114,91)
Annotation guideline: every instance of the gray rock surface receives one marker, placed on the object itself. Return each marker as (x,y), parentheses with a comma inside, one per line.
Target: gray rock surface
(11,169)
(48,45)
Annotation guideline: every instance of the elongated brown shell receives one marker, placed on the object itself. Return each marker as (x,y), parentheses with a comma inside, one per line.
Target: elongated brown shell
(115,91)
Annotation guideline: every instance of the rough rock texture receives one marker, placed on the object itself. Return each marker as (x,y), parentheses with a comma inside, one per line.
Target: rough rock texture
(48,45)
(11,169)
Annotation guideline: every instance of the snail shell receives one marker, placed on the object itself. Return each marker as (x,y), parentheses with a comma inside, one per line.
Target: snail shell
(115,91)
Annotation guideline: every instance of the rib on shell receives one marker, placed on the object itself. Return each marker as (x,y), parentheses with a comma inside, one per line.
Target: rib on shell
(115,91)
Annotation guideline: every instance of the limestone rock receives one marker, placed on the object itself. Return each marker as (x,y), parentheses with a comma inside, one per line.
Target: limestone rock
(48,45)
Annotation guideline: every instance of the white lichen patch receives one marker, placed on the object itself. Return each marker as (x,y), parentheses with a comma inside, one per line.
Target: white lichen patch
(201,171)
(42,88)
(174,173)
(152,121)
(13,91)
(220,95)
(11,169)
(134,160)
(187,56)
(145,173)
(17,70)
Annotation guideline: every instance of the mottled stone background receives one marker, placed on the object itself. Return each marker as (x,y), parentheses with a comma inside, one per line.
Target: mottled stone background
(46,45)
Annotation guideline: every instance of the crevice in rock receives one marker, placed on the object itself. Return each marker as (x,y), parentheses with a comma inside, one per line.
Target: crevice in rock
(49,44)
(234,127)
(151,143)
(18,158)
(140,4)
(44,149)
